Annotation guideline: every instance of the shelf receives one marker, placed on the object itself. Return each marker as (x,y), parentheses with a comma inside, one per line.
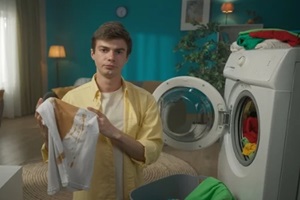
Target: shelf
(230,32)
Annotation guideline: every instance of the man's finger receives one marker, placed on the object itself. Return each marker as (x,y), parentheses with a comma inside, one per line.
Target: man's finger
(94,110)
(40,101)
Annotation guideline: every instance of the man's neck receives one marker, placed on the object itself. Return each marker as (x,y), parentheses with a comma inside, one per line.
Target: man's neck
(107,84)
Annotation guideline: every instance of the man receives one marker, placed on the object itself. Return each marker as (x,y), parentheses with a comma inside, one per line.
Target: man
(128,117)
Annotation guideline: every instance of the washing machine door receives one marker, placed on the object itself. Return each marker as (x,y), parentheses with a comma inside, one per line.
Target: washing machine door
(193,112)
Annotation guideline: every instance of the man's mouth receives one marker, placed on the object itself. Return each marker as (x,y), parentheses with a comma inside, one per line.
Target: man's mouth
(110,67)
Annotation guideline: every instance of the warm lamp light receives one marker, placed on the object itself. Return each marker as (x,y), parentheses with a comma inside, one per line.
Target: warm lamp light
(227,8)
(57,51)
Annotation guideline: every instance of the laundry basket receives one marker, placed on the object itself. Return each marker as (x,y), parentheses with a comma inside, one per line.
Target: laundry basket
(176,186)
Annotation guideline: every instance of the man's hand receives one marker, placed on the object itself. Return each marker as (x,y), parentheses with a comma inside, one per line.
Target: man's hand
(105,126)
(126,143)
(43,128)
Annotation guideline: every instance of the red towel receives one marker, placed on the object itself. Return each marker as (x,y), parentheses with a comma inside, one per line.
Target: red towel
(282,35)
(250,129)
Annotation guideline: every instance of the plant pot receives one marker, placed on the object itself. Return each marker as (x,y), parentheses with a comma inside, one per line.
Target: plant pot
(1,104)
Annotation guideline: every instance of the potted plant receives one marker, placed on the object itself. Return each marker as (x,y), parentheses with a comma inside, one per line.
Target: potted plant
(204,56)
(254,17)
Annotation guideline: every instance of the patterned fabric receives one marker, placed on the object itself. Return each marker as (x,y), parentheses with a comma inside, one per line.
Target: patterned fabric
(72,138)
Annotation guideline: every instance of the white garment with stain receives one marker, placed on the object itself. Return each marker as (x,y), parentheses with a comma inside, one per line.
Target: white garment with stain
(71,156)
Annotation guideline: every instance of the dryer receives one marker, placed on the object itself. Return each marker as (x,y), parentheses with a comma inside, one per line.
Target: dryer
(257,120)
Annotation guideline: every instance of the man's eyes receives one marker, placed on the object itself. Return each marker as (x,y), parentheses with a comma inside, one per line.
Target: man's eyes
(119,51)
(103,50)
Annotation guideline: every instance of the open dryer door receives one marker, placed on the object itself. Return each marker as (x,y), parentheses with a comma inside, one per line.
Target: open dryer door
(193,113)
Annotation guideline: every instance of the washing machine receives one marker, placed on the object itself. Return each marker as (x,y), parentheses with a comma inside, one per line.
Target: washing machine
(256,120)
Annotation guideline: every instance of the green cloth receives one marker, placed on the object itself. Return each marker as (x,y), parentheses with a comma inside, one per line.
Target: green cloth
(248,42)
(210,189)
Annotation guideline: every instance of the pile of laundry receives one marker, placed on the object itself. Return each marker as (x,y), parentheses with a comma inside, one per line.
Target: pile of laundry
(265,39)
(250,134)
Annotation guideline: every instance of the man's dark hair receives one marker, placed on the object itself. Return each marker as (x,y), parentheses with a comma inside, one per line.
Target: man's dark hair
(112,30)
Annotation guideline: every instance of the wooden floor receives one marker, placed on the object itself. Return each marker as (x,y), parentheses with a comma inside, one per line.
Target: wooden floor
(20,141)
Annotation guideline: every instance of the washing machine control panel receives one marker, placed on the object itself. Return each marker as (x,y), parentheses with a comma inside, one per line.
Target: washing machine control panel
(255,66)
(241,61)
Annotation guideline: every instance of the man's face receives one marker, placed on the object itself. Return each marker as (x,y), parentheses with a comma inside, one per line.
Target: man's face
(110,56)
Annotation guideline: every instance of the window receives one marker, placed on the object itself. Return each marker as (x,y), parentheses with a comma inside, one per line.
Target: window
(3,26)
(9,64)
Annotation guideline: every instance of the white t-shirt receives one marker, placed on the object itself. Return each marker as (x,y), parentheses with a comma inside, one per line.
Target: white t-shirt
(113,108)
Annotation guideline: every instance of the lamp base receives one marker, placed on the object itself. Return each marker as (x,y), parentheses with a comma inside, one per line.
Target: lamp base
(57,73)
(226,16)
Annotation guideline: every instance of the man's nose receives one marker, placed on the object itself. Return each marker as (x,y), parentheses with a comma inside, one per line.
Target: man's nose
(111,55)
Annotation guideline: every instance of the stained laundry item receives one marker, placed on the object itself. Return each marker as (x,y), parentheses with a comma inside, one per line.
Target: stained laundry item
(72,137)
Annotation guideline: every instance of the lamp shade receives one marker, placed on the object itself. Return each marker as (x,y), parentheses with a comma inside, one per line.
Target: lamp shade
(227,7)
(57,51)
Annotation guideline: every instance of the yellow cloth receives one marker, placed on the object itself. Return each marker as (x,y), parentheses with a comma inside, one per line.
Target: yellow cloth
(141,121)
(249,148)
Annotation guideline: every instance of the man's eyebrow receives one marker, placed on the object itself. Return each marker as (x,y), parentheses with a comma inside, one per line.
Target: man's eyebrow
(101,46)
(120,49)
(116,49)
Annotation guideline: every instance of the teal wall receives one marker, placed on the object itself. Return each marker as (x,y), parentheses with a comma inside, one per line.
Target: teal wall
(154,26)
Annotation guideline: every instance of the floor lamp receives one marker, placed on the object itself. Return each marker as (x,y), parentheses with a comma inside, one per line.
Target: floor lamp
(57,52)
(227,8)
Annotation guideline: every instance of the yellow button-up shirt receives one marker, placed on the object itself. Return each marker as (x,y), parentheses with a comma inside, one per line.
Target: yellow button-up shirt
(141,121)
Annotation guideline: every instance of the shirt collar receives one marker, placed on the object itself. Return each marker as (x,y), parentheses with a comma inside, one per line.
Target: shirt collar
(95,88)
(96,91)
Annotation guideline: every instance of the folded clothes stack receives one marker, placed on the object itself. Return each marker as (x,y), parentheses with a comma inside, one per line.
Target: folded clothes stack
(265,39)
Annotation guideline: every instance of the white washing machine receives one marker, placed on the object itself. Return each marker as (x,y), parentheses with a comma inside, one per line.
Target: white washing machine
(258,121)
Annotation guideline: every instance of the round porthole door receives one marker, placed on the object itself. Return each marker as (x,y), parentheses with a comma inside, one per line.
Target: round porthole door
(193,113)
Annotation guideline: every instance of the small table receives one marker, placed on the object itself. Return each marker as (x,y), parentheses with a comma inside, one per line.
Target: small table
(1,104)
(11,183)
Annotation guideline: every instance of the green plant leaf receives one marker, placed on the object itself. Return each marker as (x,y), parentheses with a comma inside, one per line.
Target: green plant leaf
(204,58)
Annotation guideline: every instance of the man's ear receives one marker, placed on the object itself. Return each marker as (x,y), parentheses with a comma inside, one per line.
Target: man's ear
(92,54)
(127,59)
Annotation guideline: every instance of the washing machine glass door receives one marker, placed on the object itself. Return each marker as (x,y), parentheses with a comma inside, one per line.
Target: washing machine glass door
(192,111)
